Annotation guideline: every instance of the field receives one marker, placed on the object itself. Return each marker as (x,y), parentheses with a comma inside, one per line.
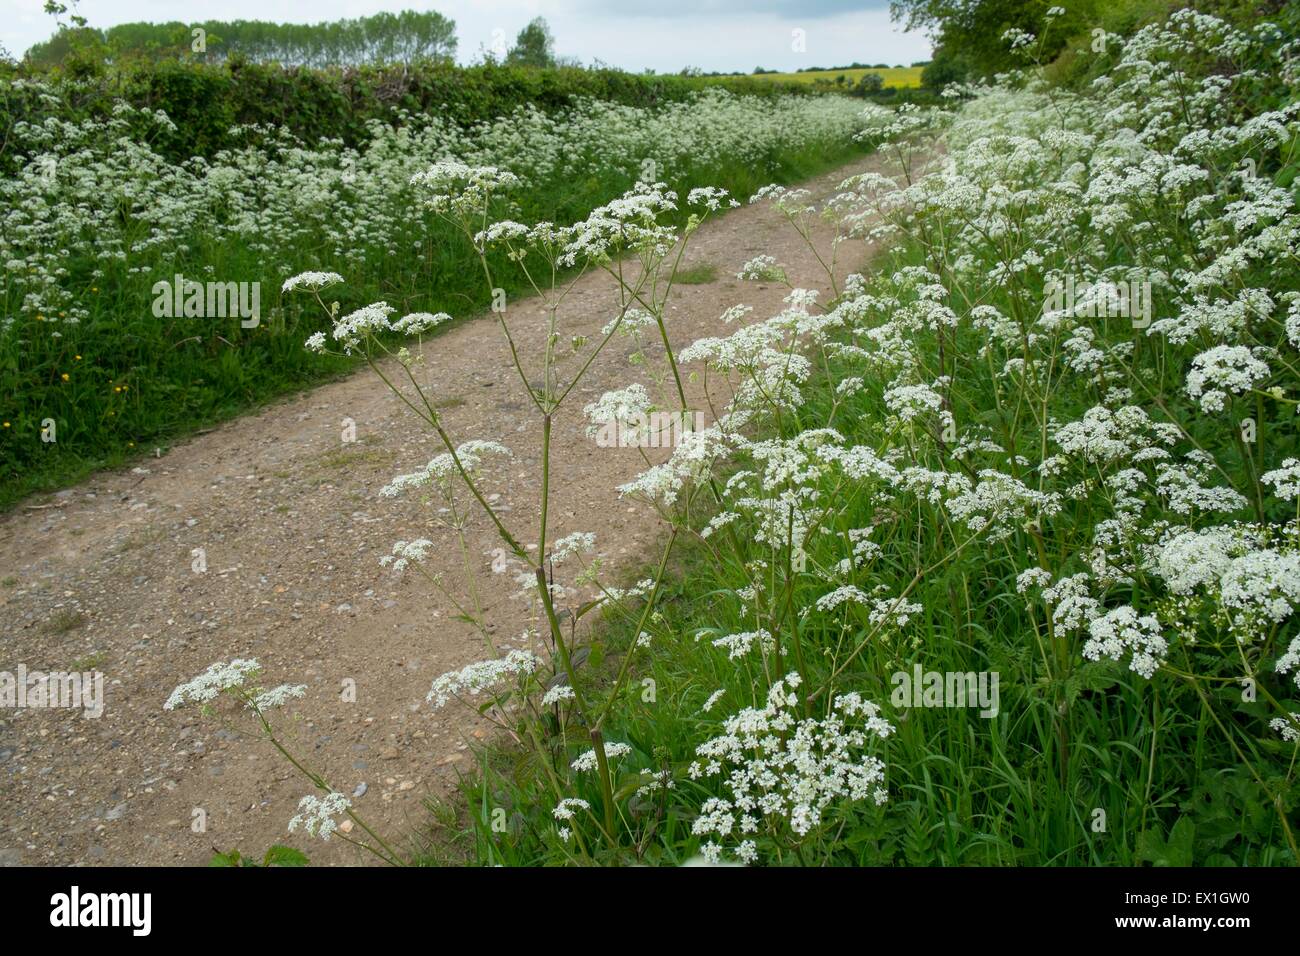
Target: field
(737,480)
(900,77)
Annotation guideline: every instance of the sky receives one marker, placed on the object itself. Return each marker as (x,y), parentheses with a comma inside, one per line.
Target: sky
(662,35)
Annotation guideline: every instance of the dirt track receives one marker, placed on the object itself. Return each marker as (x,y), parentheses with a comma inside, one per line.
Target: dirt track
(99,577)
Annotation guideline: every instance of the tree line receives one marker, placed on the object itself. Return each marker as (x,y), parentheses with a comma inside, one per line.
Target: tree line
(405,37)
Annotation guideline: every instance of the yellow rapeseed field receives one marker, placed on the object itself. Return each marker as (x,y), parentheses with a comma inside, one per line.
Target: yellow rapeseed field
(902,77)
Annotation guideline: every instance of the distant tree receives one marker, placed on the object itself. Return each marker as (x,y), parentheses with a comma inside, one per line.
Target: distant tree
(534,46)
(944,69)
(871,83)
(405,37)
(72,38)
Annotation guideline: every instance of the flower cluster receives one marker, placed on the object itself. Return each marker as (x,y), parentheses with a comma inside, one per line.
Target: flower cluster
(783,773)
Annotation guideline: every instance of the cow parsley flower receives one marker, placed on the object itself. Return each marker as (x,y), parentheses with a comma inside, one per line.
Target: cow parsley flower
(762,268)
(316,814)
(558,695)
(417,323)
(1290,661)
(457,190)
(1221,370)
(278,696)
(355,327)
(738,645)
(567,807)
(482,675)
(1285,480)
(791,771)
(311,281)
(580,542)
(1121,631)
(1288,727)
(586,762)
(215,680)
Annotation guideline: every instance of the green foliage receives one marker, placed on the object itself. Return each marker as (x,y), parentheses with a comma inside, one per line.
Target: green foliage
(946,67)
(534,46)
(206,100)
(969,33)
(277,855)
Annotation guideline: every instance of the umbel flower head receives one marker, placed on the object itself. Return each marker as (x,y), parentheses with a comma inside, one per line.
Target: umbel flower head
(221,678)
(788,771)
(316,814)
(459,191)
(217,679)
(311,281)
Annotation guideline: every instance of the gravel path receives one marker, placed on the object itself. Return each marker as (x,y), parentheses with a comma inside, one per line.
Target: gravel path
(100,577)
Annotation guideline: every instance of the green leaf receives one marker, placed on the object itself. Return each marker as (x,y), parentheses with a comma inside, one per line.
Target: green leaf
(279,855)
(1176,851)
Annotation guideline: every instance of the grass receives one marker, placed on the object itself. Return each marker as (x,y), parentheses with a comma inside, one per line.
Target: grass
(88,663)
(63,621)
(699,274)
(360,452)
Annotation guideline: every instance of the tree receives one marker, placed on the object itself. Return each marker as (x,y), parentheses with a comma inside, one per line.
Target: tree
(943,70)
(969,32)
(534,46)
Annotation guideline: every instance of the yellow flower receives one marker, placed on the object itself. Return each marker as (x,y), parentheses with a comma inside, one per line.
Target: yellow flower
(117,388)
(78,358)
(64,376)
(6,424)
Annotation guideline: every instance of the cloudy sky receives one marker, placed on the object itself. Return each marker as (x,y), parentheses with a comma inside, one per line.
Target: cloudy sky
(664,35)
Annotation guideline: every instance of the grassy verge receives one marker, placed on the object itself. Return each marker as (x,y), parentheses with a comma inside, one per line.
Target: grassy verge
(1055,546)
(1149,766)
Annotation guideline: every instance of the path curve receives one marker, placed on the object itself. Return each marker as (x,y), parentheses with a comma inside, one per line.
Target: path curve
(100,577)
